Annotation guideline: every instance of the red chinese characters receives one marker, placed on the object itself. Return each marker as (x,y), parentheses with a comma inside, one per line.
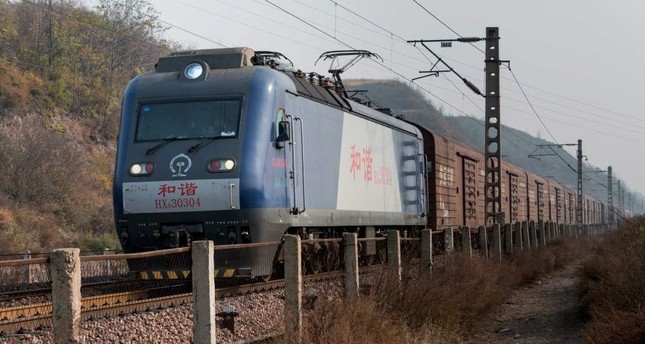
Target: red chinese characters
(166,189)
(362,160)
(185,189)
(355,156)
(188,189)
(367,162)
(182,196)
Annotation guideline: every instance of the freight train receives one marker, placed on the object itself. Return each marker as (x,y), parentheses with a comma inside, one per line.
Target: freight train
(225,145)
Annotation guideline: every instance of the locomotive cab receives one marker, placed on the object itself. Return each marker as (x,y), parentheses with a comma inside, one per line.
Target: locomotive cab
(181,150)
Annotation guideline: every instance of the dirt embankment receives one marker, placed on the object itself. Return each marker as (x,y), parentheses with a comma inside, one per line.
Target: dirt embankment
(544,312)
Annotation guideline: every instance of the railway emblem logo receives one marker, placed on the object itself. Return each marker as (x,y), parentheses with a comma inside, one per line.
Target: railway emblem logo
(180,165)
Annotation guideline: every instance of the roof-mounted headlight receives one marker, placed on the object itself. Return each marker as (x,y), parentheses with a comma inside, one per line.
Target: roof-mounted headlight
(193,71)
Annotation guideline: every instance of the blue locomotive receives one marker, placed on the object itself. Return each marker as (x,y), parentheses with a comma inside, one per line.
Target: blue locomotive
(221,145)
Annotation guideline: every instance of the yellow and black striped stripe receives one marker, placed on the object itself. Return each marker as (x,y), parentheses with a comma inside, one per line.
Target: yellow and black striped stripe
(181,274)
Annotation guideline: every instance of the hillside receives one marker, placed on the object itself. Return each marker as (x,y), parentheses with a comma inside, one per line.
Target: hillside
(62,71)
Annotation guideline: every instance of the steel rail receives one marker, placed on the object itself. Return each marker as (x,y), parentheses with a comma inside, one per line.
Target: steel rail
(30,317)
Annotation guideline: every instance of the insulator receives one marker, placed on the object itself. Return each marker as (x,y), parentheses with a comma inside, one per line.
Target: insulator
(472,86)
(469,39)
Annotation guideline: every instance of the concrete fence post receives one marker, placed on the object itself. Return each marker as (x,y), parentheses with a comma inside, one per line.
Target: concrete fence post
(350,241)
(394,253)
(107,264)
(466,241)
(508,238)
(526,239)
(517,237)
(293,288)
(483,241)
(66,295)
(426,249)
(497,241)
(533,234)
(28,276)
(542,233)
(448,240)
(547,230)
(203,275)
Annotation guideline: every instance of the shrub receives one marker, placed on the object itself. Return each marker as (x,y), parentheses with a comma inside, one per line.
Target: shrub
(40,165)
(438,307)
(612,287)
(50,194)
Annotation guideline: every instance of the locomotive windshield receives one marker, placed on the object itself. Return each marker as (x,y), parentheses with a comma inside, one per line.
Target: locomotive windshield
(188,120)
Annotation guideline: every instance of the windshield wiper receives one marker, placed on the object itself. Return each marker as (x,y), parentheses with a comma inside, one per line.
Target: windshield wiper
(163,142)
(194,148)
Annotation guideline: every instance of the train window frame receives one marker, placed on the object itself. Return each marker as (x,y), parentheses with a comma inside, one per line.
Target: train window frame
(231,133)
(282,127)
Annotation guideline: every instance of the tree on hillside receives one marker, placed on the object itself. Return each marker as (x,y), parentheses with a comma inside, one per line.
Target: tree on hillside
(84,56)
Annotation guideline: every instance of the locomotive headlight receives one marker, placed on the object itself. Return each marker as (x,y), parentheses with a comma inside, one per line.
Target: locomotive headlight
(135,169)
(142,169)
(220,165)
(193,71)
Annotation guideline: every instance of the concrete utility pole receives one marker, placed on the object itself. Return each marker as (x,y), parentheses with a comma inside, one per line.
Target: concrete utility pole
(610,197)
(493,126)
(579,202)
(493,154)
(620,198)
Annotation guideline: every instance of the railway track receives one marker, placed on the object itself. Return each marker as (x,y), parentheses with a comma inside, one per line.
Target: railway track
(38,316)
(19,291)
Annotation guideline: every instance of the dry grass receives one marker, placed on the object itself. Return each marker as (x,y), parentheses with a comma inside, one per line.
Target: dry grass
(437,307)
(54,193)
(612,287)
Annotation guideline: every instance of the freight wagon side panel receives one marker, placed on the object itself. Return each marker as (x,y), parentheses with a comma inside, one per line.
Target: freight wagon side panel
(470,186)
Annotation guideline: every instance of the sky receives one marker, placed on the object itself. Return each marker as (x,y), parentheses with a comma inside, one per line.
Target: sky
(581,63)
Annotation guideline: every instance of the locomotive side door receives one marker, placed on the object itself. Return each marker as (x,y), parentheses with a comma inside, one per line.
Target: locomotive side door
(295,159)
